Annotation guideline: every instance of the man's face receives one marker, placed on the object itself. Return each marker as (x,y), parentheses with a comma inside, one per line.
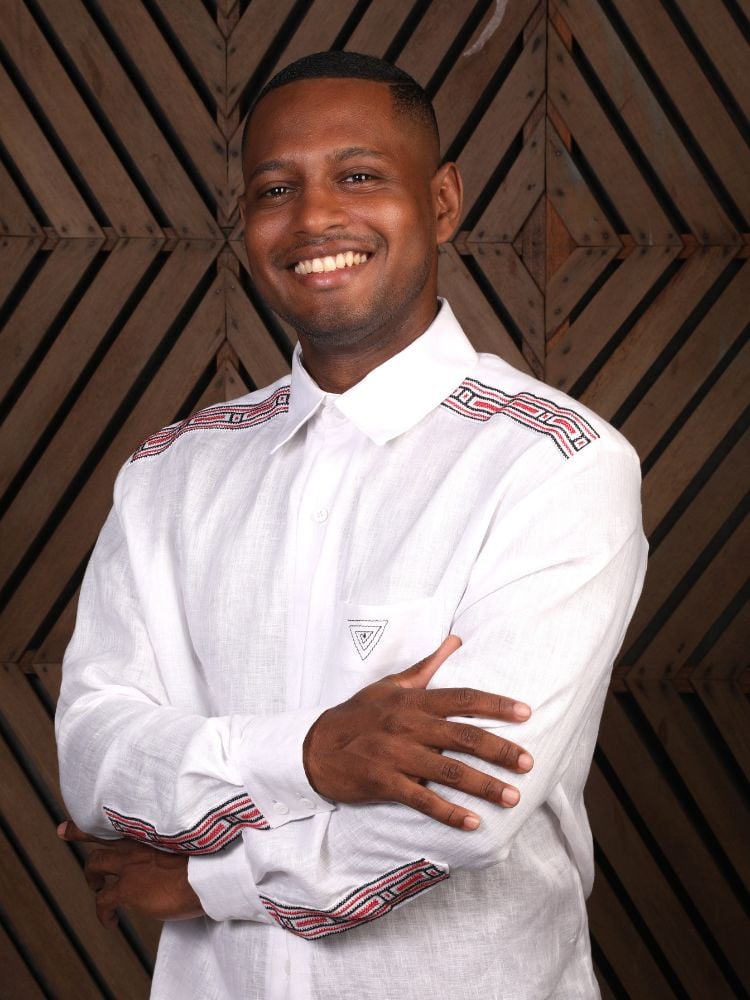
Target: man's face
(335,175)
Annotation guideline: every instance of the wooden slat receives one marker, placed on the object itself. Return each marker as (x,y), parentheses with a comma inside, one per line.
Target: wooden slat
(700,435)
(698,104)
(99,400)
(504,118)
(589,333)
(654,329)
(55,861)
(135,127)
(78,529)
(183,108)
(15,257)
(646,885)
(247,335)
(17,980)
(700,766)
(71,351)
(482,326)
(684,375)
(35,160)
(249,41)
(202,41)
(690,535)
(677,637)
(517,290)
(650,126)
(623,946)
(16,218)
(28,720)
(728,49)
(465,83)
(728,707)
(40,934)
(673,830)
(571,281)
(378,27)
(604,151)
(26,328)
(572,198)
(73,122)
(516,196)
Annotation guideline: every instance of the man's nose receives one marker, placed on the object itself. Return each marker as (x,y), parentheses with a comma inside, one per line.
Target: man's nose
(319,207)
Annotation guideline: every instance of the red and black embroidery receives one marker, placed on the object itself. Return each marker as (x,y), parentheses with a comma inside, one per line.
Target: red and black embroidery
(215,830)
(370,901)
(569,431)
(236,417)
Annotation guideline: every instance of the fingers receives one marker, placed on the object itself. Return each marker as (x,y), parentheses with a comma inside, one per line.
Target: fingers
(469,739)
(447,702)
(422,673)
(70,832)
(107,901)
(455,774)
(426,801)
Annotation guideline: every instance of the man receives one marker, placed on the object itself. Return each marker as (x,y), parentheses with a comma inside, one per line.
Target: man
(224,695)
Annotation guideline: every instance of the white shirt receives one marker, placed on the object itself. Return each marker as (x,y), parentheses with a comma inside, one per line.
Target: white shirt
(269,557)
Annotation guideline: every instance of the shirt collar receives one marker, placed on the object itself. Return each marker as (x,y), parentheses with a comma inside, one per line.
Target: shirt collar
(396,395)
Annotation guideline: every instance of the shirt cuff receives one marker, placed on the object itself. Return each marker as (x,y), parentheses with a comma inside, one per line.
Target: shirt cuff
(271,769)
(225,886)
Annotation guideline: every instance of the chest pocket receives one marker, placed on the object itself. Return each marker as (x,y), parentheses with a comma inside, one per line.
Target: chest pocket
(369,641)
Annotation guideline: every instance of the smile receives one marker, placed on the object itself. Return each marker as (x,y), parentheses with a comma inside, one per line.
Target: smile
(318,265)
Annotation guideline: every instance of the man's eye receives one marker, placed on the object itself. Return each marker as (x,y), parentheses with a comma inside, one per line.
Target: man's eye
(359,178)
(274,192)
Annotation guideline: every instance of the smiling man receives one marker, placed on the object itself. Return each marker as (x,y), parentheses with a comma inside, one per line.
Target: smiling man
(266,681)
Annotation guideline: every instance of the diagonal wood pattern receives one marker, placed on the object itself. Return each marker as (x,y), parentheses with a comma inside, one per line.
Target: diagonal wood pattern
(603,246)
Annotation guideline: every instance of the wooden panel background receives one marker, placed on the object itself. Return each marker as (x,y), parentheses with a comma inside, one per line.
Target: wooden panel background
(604,247)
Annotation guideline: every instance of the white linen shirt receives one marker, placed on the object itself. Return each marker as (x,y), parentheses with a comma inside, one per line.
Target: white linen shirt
(269,557)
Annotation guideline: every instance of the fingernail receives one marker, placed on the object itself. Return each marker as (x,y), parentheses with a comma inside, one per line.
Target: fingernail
(471,822)
(62,830)
(522,711)
(525,761)
(510,796)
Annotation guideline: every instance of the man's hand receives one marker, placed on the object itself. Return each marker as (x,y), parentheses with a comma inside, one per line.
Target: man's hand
(381,744)
(136,877)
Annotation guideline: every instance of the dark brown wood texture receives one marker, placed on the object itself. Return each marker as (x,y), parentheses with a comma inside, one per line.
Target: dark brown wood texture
(603,247)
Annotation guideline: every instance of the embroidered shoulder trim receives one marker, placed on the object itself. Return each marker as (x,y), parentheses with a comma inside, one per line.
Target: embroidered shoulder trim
(236,417)
(369,902)
(569,431)
(214,831)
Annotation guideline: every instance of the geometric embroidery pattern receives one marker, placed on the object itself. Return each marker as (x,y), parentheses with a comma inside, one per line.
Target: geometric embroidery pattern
(373,900)
(234,417)
(569,431)
(366,634)
(215,830)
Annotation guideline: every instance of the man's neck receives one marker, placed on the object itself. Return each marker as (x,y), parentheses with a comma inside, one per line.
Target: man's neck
(338,370)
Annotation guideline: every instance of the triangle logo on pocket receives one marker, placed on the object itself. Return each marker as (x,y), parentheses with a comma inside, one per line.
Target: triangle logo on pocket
(366,635)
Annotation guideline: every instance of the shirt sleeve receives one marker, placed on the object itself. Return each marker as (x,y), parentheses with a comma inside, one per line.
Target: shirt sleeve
(137,760)
(542,618)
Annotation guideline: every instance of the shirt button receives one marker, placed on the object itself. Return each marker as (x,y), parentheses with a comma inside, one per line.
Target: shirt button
(305,803)
(321,515)
(280,808)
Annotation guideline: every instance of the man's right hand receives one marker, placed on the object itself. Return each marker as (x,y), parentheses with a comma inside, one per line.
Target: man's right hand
(388,738)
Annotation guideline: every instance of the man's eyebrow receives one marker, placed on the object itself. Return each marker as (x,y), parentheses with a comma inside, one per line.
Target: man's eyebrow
(268,166)
(352,151)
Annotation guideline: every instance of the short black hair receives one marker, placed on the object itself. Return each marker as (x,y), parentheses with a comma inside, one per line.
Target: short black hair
(408,96)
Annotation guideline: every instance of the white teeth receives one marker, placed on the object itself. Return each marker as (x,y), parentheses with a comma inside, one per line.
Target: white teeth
(329,263)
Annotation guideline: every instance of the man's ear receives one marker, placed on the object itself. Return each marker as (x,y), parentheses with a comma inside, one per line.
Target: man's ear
(447,198)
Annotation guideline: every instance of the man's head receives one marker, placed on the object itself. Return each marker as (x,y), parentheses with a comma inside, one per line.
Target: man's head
(345,202)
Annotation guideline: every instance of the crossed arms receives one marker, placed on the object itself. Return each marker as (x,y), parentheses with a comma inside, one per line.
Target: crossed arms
(544,628)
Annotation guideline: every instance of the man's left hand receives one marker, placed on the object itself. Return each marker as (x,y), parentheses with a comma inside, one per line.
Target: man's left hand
(136,877)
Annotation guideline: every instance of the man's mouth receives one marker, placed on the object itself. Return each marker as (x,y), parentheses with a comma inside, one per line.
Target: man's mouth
(330,262)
